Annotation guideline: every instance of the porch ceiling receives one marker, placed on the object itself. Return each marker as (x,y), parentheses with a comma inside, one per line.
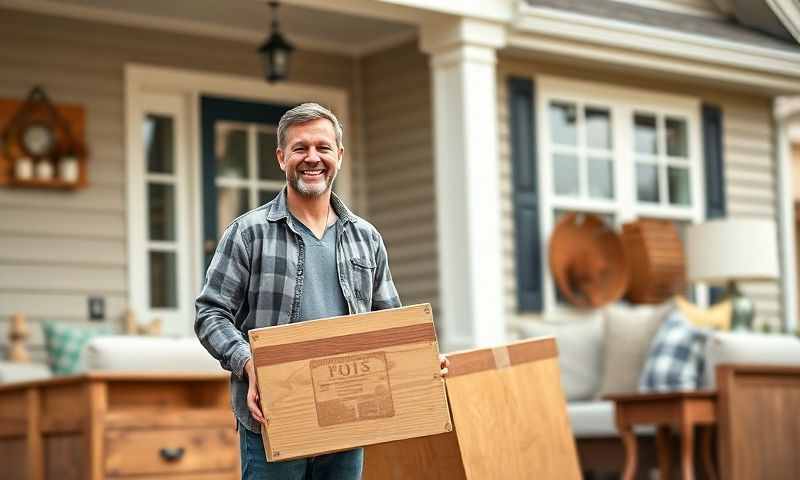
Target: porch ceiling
(245,20)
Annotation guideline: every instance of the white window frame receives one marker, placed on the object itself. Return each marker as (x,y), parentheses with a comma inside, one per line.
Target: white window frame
(139,243)
(622,103)
(185,87)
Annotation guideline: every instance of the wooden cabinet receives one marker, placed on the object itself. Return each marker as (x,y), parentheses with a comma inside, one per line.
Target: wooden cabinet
(119,425)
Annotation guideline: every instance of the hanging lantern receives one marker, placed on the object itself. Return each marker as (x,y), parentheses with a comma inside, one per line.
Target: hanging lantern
(275,51)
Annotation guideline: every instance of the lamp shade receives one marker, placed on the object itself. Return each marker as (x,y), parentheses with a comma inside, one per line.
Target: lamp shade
(732,249)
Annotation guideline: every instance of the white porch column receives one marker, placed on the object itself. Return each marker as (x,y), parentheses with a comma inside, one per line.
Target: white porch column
(463,61)
(787,116)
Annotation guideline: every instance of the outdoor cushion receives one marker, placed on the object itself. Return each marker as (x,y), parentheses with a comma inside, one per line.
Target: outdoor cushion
(742,347)
(675,360)
(141,353)
(580,341)
(65,345)
(595,419)
(627,334)
(23,372)
(717,317)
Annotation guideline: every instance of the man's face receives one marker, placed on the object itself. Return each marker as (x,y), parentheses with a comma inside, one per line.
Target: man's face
(311,158)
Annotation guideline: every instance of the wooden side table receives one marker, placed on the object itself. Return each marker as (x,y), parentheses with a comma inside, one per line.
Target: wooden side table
(681,411)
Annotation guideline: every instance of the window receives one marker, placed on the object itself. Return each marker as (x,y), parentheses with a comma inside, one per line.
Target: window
(247,173)
(618,153)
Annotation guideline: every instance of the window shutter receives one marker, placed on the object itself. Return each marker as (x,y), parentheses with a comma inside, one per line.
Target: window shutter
(714,158)
(714,162)
(526,200)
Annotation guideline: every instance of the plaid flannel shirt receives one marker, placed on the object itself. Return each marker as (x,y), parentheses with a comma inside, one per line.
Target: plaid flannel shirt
(255,280)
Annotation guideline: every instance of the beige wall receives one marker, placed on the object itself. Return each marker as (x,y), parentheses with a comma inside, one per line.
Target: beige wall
(399,167)
(750,167)
(56,248)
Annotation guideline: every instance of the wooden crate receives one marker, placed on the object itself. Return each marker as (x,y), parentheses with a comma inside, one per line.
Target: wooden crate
(510,419)
(343,382)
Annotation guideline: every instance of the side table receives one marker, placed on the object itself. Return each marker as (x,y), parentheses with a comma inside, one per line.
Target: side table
(679,410)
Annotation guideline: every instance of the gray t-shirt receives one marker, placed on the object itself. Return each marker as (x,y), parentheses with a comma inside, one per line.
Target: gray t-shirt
(322,293)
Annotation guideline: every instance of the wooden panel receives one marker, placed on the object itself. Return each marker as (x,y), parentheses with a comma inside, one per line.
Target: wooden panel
(158,417)
(23,250)
(509,416)
(130,394)
(130,452)
(12,450)
(64,279)
(64,457)
(13,413)
(362,379)
(435,457)
(64,408)
(758,405)
(56,305)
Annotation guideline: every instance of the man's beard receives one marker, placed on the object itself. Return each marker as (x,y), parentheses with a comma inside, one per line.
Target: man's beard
(310,191)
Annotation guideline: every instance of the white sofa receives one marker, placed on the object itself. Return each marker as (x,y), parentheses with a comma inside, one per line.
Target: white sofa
(125,353)
(581,344)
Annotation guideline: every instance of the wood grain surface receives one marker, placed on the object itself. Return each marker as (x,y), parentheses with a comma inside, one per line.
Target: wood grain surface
(378,385)
(510,423)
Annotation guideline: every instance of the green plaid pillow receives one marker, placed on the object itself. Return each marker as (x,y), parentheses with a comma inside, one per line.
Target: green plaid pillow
(65,344)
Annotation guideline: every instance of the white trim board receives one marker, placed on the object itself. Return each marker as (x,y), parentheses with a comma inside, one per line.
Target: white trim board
(788,12)
(670,6)
(185,87)
(584,36)
(194,27)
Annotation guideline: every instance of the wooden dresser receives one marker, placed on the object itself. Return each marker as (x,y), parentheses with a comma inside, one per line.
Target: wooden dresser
(117,426)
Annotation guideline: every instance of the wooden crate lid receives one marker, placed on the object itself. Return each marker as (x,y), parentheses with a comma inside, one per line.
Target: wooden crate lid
(473,361)
(340,335)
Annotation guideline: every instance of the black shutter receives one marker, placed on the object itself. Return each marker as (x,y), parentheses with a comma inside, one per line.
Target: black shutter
(714,158)
(714,162)
(525,196)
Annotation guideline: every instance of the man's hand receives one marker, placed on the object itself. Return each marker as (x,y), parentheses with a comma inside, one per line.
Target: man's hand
(252,392)
(444,364)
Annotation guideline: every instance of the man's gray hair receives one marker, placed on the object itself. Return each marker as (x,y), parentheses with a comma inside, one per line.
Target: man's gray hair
(304,113)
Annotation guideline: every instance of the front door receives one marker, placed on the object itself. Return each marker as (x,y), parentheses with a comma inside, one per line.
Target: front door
(240,171)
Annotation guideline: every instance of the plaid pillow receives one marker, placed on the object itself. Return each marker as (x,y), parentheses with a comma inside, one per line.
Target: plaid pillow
(65,344)
(675,360)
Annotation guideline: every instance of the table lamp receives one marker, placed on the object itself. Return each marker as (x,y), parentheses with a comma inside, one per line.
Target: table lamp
(727,251)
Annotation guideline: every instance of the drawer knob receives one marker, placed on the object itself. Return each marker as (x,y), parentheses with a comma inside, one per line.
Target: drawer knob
(172,454)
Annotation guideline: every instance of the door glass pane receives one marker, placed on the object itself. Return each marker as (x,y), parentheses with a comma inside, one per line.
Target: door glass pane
(231,202)
(647,182)
(646,138)
(563,119)
(163,280)
(159,140)
(266,196)
(677,142)
(598,128)
(232,153)
(565,174)
(679,193)
(268,168)
(161,211)
(601,178)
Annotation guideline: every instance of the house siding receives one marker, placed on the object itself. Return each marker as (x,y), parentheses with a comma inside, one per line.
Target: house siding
(56,248)
(750,169)
(398,137)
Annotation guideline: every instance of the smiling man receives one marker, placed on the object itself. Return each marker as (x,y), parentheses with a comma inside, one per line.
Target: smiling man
(302,256)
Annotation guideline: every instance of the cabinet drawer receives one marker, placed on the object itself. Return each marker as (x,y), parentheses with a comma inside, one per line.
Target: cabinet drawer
(129,452)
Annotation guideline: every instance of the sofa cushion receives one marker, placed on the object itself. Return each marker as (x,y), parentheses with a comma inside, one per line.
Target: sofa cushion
(627,334)
(66,344)
(580,339)
(595,419)
(675,359)
(715,317)
(149,354)
(741,347)
(23,372)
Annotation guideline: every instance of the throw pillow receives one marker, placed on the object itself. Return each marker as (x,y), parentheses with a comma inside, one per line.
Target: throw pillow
(580,341)
(717,317)
(65,345)
(627,335)
(675,360)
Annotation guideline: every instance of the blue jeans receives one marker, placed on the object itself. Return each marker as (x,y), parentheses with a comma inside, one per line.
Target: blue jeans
(345,465)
